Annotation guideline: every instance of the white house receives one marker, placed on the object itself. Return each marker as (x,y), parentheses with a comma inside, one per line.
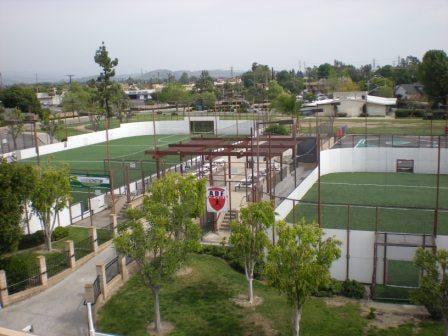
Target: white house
(354,104)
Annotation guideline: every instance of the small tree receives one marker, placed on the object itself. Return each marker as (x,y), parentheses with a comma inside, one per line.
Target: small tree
(249,238)
(160,236)
(299,263)
(51,123)
(15,124)
(433,290)
(50,195)
(17,182)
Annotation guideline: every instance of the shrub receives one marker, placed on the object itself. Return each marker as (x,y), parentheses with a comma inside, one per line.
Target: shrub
(427,298)
(216,251)
(372,314)
(59,233)
(19,267)
(31,240)
(409,113)
(363,114)
(225,252)
(334,287)
(341,114)
(353,289)
(277,130)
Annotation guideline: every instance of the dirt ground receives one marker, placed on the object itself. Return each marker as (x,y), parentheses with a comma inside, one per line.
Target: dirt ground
(388,315)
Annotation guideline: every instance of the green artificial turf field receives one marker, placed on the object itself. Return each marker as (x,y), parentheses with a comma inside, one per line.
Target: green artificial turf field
(90,159)
(391,192)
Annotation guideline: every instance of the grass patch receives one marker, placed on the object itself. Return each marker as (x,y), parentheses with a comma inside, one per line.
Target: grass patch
(200,304)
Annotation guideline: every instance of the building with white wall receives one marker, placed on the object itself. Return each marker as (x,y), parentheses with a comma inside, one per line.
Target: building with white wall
(354,104)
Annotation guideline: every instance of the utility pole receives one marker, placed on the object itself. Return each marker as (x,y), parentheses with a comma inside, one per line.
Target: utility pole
(70,79)
(1,80)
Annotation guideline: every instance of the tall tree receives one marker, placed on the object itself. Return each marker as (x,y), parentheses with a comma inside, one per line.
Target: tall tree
(78,99)
(286,103)
(50,195)
(433,74)
(17,181)
(173,93)
(160,246)
(23,98)
(274,89)
(204,82)
(324,70)
(184,79)
(249,239)
(206,99)
(433,290)
(298,264)
(104,81)
(104,86)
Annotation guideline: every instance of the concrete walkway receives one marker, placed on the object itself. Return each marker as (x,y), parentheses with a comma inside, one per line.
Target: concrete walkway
(59,310)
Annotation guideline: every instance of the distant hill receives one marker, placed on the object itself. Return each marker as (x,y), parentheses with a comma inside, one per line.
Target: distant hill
(164,73)
(10,78)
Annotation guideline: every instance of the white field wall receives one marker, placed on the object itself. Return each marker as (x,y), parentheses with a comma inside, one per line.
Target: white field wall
(374,159)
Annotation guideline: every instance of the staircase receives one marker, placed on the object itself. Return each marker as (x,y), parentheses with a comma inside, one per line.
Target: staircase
(228,217)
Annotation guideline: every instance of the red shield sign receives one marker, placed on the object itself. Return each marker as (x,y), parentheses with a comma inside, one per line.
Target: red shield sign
(216,199)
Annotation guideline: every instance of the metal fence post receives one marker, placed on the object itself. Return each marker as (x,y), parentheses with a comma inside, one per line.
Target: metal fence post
(70,250)
(41,263)
(4,297)
(93,238)
(101,272)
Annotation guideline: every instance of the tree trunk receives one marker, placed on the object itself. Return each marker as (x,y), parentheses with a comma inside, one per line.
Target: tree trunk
(157,320)
(296,320)
(251,290)
(48,233)
(446,326)
(14,141)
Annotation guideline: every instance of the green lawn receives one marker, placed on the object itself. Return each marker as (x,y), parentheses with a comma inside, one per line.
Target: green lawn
(386,190)
(200,304)
(90,159)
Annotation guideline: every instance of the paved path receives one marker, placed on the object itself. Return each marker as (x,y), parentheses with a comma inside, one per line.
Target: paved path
(59,310)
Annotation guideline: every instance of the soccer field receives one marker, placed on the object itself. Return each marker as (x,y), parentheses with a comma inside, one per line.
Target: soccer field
(90,159)
(405,202)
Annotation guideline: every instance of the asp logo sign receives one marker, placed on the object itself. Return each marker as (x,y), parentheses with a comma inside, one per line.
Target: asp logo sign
(217,199)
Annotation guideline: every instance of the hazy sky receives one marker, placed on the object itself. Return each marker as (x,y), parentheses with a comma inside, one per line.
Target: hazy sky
(57,37)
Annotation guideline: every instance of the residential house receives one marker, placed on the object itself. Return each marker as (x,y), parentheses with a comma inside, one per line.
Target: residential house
(412,92)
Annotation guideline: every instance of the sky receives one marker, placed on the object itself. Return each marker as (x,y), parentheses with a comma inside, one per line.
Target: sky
(58,37)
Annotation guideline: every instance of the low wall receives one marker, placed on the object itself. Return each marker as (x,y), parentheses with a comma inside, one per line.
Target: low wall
(361,246)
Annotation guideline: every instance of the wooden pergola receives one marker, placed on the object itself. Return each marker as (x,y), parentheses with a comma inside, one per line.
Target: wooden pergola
(210,148)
